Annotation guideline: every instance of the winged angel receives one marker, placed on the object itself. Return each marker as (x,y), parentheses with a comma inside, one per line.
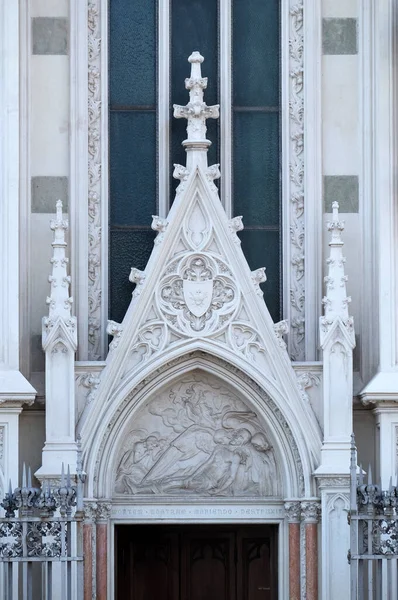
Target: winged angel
(208,445)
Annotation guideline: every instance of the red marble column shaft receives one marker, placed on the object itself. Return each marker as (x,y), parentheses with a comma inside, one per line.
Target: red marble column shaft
(102,549)
(311,559)
(88,560)
(294,561)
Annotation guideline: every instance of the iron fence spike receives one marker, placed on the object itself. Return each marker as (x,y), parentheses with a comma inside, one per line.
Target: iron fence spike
(370,475)
(360,475)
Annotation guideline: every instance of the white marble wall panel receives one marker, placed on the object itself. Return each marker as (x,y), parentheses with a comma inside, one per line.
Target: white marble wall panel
(339,8)
(365,439)
(46,132)
(340,115)
(49,8)
(49,141)
(32,435)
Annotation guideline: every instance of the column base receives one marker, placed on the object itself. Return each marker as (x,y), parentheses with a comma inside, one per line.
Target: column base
(335,458)
(335,535)
(54,456)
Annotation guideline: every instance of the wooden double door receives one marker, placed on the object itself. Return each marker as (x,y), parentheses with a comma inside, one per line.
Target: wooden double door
(217,562)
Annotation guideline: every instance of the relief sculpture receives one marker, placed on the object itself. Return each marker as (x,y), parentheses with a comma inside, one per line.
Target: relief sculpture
(198,438)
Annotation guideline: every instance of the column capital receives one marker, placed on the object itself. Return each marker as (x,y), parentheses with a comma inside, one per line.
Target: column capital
(103,511)
(90,511)
(293,511)
(311,511)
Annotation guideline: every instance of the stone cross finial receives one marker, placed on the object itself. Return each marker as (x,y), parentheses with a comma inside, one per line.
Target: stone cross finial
(336,226)
(196,111)
(59,301)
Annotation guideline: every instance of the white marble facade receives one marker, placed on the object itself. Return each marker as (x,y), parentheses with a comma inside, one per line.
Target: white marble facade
(203,403)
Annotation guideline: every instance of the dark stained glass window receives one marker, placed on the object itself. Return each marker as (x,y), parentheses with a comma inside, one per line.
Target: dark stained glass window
(256,138)
(132,143)
(133,151)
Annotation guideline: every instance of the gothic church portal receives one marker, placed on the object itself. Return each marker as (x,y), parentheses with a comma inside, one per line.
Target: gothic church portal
(211,243)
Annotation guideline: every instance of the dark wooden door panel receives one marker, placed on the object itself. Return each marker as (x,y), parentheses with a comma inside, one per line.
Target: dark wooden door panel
(208,565)
(148,562)
(257,563)
(196,563)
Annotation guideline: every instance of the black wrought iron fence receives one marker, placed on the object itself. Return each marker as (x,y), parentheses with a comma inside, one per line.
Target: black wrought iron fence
(373,520)
(41,540)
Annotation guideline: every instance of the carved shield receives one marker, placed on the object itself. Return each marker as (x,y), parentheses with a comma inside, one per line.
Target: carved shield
(198,295)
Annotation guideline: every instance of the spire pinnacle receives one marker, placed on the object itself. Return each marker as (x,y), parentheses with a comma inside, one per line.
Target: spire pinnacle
(59,301)
(196,112)
(336,300)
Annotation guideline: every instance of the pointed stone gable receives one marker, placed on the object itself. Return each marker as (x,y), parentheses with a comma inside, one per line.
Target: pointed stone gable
(197,292)
(197,305)
(197,283)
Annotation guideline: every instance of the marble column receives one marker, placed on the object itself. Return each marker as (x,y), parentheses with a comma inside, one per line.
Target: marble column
(103,512)
(310,514)
(89,546)
(88,560)
(293,514)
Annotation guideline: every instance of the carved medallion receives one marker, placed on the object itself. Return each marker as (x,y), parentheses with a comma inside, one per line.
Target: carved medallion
(198,296)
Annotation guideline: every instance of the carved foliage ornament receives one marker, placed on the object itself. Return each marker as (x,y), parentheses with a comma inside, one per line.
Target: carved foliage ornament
(293,512)
(305,381)
(94,180)
(90,381)
(311,511)
(296,176)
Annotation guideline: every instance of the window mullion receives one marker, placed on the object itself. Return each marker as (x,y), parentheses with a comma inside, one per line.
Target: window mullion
(226,104)
(163,107)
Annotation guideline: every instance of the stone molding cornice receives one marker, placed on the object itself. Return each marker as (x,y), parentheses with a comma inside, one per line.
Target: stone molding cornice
(381,390)
(15,390)
(333,481)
